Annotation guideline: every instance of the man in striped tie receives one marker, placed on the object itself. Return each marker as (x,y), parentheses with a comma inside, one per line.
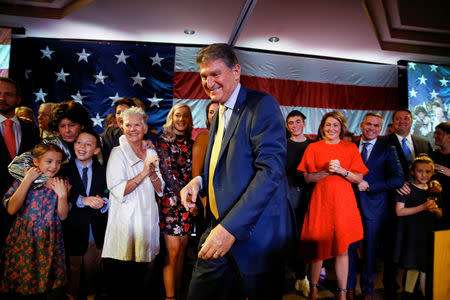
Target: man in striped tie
(248,213)
(385,175)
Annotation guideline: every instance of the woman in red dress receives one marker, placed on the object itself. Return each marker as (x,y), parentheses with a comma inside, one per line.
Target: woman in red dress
(332,221)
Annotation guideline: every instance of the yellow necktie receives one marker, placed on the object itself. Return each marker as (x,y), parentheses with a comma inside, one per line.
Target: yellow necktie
(213,160)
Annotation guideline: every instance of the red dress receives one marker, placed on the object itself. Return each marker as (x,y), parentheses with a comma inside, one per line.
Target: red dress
(332,221)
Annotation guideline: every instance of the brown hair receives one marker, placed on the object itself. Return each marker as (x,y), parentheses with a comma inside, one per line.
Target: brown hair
(71,110)
(13,82)
(444,126)
(40,149)
(336,115)
(217,51)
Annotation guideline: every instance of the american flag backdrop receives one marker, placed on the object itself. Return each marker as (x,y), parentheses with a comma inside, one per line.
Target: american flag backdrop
(428,96)
(313,86)
(98,73)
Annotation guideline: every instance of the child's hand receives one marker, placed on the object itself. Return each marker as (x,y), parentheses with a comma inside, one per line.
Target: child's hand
(430,205)
(95,202)
(60,187)
(435,187)
(31,174)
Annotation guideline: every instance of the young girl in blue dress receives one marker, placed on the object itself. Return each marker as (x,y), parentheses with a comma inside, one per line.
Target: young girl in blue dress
(417,213)
(33,261)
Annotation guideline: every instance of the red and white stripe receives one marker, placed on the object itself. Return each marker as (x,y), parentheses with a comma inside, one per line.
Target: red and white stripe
(311,85)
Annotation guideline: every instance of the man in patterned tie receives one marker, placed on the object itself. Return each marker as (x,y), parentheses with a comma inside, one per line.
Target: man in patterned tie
(385,175)
(248,213)
(17,136)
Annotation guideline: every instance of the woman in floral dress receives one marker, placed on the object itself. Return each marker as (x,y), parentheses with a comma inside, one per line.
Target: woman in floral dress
(175,153)
(33,255)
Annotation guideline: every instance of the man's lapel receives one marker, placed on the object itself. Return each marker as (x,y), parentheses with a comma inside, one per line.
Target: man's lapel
(235,115)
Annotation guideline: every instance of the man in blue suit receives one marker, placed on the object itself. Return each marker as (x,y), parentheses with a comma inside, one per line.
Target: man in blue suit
(385,175)
(242,252)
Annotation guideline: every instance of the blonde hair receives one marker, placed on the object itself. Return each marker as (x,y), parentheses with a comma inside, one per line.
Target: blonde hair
(168,128)
(421,158)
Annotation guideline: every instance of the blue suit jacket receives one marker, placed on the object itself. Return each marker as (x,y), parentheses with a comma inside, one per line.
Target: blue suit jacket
(76,226)
(385,174)
(250,183)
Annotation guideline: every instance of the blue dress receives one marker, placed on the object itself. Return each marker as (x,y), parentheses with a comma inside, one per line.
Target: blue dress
(33,258)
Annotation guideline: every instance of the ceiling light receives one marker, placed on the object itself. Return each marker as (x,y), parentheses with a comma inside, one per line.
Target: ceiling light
(274,39)
(189,31)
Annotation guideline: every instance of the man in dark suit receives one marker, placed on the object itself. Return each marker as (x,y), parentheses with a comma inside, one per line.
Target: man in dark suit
(407,146)
(249,214)
(25,135)
(403,140)
(385,175)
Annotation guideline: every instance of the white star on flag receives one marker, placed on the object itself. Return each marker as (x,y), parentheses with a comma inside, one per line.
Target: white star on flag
(100,78)
(78,97)
(138,79)
(115,98)
(412,65)
(434,94)
(121,58)
(156,60)
(433,68)
(47,53)
(412,93)
(443,81)
(61,75)
(97,121)
(40,96)
(83,55)
(155,101)
(27,72)
(422,80)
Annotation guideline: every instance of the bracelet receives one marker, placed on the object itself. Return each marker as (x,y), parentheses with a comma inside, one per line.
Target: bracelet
(346,174)
(153,180)
(132,179)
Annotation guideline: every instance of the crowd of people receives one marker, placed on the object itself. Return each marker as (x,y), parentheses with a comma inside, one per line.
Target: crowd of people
(86,216)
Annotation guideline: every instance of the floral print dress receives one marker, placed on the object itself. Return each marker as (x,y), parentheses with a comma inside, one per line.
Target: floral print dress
(33,255)
(175,159)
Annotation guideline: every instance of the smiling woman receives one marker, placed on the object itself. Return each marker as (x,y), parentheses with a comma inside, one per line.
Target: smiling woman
(132,233)
(175,151)
(68,119)
(332,221)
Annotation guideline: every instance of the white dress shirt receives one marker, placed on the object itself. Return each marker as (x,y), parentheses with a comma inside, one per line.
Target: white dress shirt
(369,146)
(132,232)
